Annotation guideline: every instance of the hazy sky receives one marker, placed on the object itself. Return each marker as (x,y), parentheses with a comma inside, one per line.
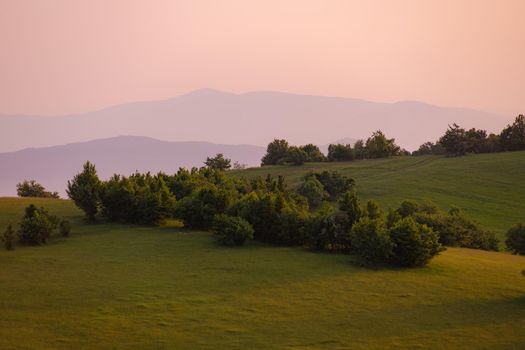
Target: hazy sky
(62,56)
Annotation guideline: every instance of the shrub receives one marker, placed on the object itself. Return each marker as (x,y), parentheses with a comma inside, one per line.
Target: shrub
(312,190)
(516,239)
(333,182)
(33,189)
(413,244)
(218,162)
(231,230)
(340,153)
(9,238)
(370,241)
(349,205)
(313,153)
(85,190)
(372,210)
(296,156)
(275,152)
(64,228)
(36,226)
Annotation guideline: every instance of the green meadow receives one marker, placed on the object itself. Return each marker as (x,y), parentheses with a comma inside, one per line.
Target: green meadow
(111,286)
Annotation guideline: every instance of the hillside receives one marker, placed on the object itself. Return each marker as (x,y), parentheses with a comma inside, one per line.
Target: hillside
(249,118)
(116,286)
(54,166)
(489,187)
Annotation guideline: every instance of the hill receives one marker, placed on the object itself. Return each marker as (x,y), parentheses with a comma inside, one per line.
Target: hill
(249,118)
(488,187)
(116,286)
(54,166)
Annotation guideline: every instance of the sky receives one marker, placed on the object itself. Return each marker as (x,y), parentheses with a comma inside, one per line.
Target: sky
(62,56)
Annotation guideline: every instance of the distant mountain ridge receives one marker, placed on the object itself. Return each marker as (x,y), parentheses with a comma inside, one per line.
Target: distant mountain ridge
(53,166)
(248,118)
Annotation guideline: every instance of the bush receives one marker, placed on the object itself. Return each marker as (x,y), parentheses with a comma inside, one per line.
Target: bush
(85,190)
(36,226)
(372,210)
(312,190)
(340,153)
(33,189)
(516,239)
(9,238)
(296,156)
(333,182)
(64,228)
(276,152)
(413,244)
(218,162)
(370,241)
(231,230)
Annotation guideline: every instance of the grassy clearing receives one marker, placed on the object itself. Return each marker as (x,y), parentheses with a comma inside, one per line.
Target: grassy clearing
(488,187)
(114,286)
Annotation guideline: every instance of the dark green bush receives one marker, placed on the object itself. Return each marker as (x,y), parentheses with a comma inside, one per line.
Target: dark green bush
(85,189)
(231,230)
(370,241)
(516,239)
(413,244)
(36,226)
(8,238)
(312,190)
(33,189)
(64,228)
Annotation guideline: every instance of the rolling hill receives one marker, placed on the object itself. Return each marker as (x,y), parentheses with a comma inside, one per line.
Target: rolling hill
(53,166)
(249,118)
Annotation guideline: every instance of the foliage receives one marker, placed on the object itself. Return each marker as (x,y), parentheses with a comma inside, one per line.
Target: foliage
(231,230)
(413,244)
(334,183)
(370,241)
(378,146)
(139,199)
(85,190)
(296,156)
(429,148)
(516,239)
(36,226)
(372,210)
(313,153)
(512,138)
(340,153)
(34,189)
(276,153)
(313,190)
(8,238)
(64,228)
(218,162)
(350,207)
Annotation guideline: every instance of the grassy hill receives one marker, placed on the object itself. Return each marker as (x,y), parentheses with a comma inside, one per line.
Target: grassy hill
(489,187)
(119,286)
(114,286)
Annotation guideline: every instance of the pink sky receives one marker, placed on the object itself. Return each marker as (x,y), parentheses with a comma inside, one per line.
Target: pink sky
(62,56)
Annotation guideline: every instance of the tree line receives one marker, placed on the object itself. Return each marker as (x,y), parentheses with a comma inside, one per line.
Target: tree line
(457,141)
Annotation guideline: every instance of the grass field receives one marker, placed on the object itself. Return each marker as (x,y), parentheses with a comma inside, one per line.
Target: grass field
(114,287)
(488,187)
(127,287)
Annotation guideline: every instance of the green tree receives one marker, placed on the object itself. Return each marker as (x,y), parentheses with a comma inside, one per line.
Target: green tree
(231,230)
(36,226)
(516,239)
(413,244)
(33,189)
(312,190)
(512,138)
(378,146)
(454,141)
(276,152)
(85,189)
(313,153)
(218,162)
(370,241)
(296,156)
(340,153)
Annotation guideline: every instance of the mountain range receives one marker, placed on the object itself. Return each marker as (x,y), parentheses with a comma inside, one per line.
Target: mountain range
(249,118)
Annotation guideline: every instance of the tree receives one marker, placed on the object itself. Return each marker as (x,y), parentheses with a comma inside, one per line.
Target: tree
(349,204)
(276,152)
(512,138)
(218,162)
(516,239)
(340,153)
(454,141)
(313,153)
(370,242)
(429,148)
(85,190)
(378,146)
(360,149)
(36,226)
(333,182)
(8,238)
(296,156)
(312,190)
(33,189)
(413,244)
(231,230)
(64,228)
(372,210)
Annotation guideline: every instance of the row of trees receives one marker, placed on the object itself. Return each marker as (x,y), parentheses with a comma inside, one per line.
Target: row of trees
(266,209)
(376,146)
(33,189)
(457,141)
